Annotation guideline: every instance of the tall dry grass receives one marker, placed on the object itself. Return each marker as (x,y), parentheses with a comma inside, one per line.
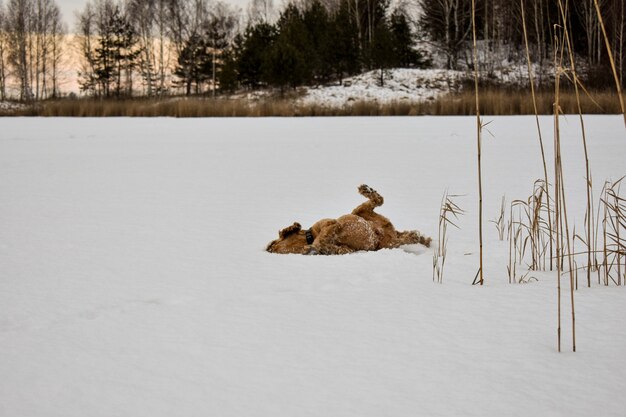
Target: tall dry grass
(479,127)
(492,102)
(448,214)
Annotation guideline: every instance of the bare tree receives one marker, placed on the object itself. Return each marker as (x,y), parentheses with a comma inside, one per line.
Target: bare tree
(86,41)
(220,31)
(3,44)
(142,16)
(586,12)
(56,49)
(261,11)
(46,23)
(108,45)
(448,24)
(161,22)
(17,24)
(187,19)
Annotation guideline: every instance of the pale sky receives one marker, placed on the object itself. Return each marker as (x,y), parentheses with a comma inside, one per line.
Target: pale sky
(69,6)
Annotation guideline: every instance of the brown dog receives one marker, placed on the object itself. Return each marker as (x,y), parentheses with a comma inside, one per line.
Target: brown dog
(362,230)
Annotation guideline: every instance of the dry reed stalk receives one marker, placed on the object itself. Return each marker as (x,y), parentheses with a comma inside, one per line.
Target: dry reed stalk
(515,238)
(448,210)
(618,84)
(557,178)
(614,226)
(604,234)
(538,227)
(499,222)
(478,142)
(518,242)
(560,200)
(528,231)
(512,250)
(589,211)
(534,96)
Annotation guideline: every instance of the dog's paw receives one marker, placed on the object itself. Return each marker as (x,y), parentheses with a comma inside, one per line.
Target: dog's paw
(366,190)
(344,250)
(371,194)
(310,250)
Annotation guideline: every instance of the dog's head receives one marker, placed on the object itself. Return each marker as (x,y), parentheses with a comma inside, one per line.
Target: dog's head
(291,239)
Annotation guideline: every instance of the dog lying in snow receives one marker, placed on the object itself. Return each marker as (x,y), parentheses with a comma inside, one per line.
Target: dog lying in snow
(363,230)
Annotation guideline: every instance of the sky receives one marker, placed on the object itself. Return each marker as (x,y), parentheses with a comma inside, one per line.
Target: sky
(68,7)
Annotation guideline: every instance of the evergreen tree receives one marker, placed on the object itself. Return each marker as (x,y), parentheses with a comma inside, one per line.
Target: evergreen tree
(382,52)
(290,60)
(218,33)
(193,64)
(317,23)
(343,43)
(228,77)
(109,47)
(255,44)
(284,65)
(406,56)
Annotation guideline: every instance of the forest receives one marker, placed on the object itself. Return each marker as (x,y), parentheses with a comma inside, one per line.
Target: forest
(131,48)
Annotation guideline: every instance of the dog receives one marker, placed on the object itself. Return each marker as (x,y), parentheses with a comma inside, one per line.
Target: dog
(362,230)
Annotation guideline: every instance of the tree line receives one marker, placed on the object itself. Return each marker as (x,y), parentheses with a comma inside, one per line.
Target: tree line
(158,47)
(31,47)
(204,46)
(447,24)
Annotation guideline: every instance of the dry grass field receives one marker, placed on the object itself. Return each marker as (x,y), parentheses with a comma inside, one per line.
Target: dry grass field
(493,102)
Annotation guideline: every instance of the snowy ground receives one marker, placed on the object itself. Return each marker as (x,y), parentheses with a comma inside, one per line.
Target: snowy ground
(134,282)
(401,84)
(10,106)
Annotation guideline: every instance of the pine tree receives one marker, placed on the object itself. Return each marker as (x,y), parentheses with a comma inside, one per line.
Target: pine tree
(255,45)
(109,48)
(381,51)
(218,33)
(406,56)
(193,64)
(343,43)
(317,23)
(290,60)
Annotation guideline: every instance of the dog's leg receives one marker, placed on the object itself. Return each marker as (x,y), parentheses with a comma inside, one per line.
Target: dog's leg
(411,237)
(374,200)
(331,249)
(326,243)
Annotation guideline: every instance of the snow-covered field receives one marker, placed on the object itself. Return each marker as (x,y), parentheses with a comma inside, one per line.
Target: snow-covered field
(134,281)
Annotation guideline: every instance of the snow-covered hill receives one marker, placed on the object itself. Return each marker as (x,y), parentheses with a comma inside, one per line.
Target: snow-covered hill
(400,84)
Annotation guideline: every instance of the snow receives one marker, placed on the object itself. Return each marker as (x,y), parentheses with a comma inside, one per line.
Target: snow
(134,281)
(400,84)
(11,106)
(412,85)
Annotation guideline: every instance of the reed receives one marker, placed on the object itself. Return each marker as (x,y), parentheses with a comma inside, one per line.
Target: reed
(493,102)
(529,232)
(614,233)
(478,144)
(557,178)
(499,222)
(536,111)
(515,238)
(618,84)
(563,246)
(449,212)
(588,215)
